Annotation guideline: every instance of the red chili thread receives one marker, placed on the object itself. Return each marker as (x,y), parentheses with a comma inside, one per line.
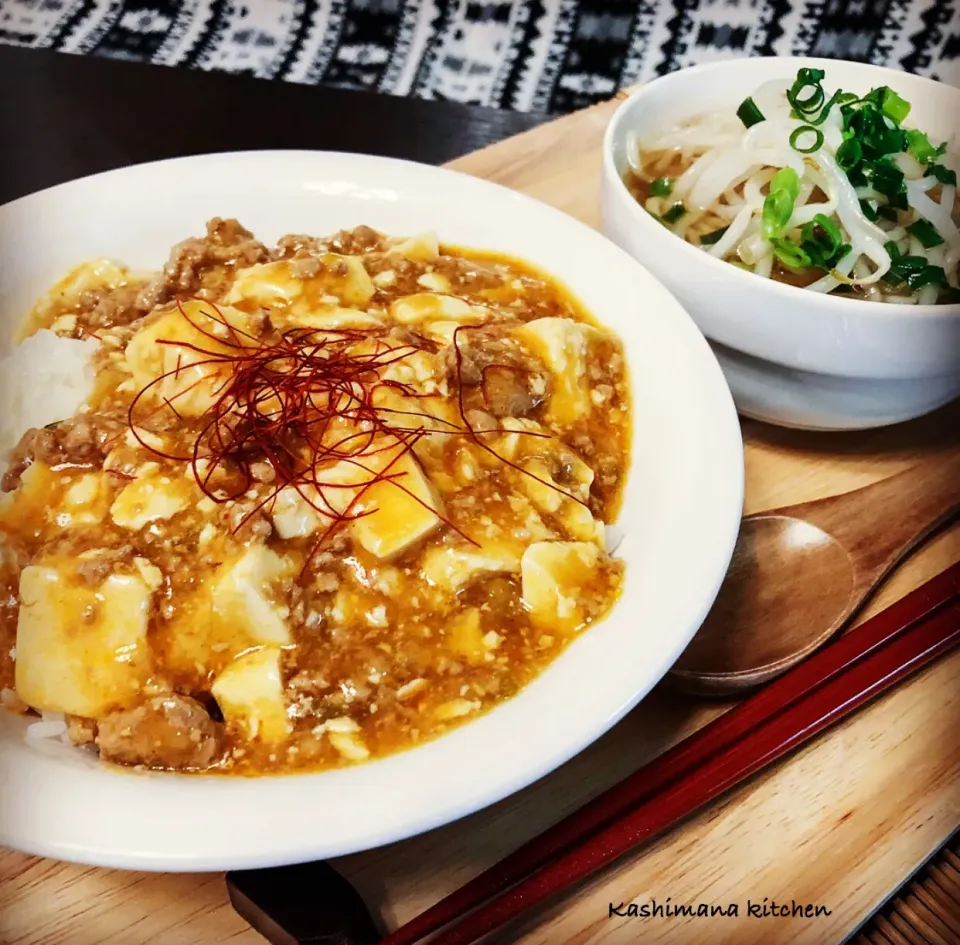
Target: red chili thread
(278,401)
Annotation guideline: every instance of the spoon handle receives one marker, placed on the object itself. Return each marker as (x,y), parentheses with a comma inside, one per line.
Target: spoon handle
(881,523)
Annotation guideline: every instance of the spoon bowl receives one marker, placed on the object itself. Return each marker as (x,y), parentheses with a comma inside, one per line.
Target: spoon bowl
(800,574)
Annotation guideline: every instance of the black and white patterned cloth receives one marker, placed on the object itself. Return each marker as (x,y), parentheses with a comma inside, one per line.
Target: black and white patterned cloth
(550,56)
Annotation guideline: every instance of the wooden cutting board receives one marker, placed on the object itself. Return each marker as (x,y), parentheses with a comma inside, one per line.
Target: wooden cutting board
(839,825)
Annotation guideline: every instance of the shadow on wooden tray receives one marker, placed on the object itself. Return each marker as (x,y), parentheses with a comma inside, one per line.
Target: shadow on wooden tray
(435,863)
(935,430)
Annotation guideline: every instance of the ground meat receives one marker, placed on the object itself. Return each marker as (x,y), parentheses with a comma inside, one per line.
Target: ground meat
(81,441)
(465,274)
(510,392)
(205,266)
(356,242)
(81,731)
(87,439)
(246,521)
(512,382)
(124,305)
(166,731)
(9,611)
(34,444)
(96,570)
(305,267)
(262,472)
(297,244)
(308,682)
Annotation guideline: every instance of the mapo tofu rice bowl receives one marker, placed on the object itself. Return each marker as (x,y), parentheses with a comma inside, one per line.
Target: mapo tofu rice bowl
(275,508)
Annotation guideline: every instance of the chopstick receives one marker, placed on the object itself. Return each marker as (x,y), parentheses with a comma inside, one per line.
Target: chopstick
(799,723)
(776,720)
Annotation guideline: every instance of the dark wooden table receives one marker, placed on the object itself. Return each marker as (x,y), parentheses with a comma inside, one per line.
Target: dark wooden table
(64,116)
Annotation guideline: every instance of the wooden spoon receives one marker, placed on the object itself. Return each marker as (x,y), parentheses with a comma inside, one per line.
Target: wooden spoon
(800,573)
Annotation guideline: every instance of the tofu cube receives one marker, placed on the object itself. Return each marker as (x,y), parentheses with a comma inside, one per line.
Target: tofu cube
(250,695)
(422,247)
(401,512)
(86,500)
(451,567)
(435,282)
(293,296)
(465,638)
(91,276)
(191,334)
(270,285)
(243,597)
(332,317)
(574,517)
(292,515)
(563,346)
(554,575)
(345,277)
(432,306)
(150,498)
(80,649)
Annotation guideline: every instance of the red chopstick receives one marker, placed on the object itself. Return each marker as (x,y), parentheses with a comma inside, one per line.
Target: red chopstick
(610,813)
(904,655)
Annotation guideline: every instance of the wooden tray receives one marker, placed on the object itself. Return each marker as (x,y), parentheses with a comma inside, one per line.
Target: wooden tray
(840,825)
(924,911)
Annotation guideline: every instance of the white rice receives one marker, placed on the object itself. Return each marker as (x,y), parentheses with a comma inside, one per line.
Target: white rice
(43,380)
(47,728)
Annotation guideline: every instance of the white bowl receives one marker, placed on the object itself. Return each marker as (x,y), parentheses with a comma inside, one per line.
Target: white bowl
(792,357)
(680,517)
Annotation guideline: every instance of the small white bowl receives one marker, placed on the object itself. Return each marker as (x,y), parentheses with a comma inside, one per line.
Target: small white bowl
(791,357)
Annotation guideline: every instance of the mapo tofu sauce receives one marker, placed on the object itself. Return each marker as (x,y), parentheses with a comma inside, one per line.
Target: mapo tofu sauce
(328,500)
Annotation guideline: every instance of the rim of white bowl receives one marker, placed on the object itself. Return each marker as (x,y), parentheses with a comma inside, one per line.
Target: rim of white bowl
(846,305)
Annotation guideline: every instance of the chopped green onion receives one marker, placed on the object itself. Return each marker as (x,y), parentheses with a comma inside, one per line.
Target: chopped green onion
(943,174)
(926,233)
(808,80)
(791,255)
(779,202)
(894,107)
(748,113)
(904,266)
(898,201)
(932,275)
(893,251)
(708,239)
(887,178)
(857,177)
(674,213)
(876,137)
(915,271)
(921,148)
(661,187)
(797,133)
(840,255)
(849,154)
(869,211)
(838,96)
(821,238)
(866,123)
